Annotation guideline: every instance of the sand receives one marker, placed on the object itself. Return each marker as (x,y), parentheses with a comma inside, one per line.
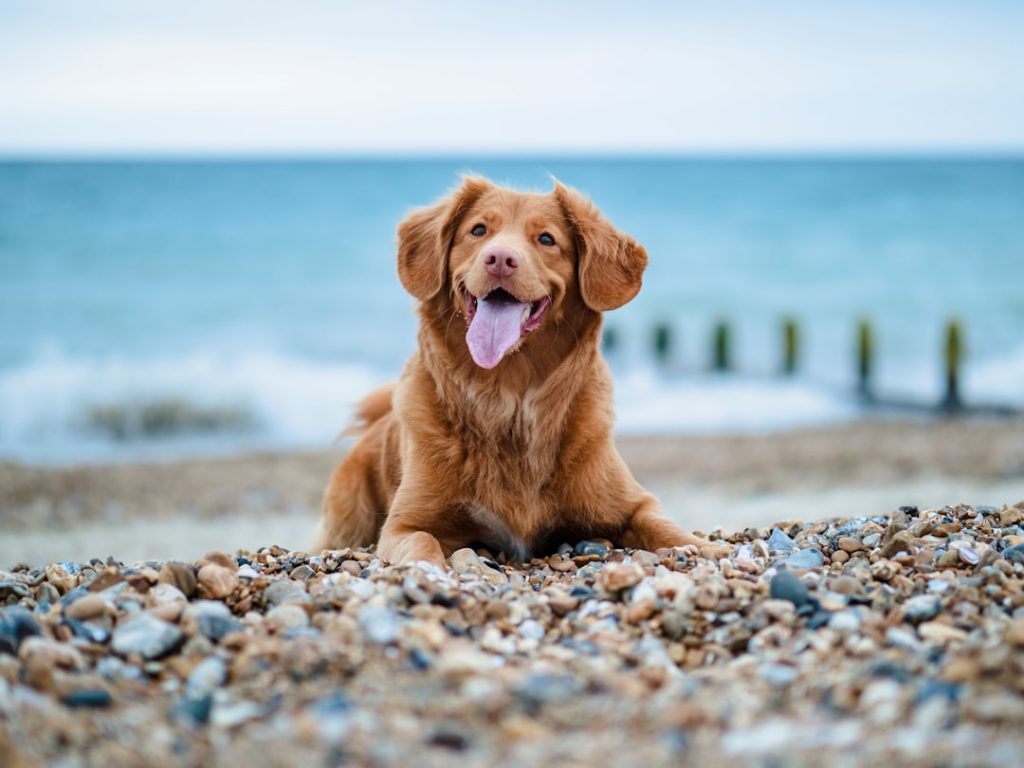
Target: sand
(183,509)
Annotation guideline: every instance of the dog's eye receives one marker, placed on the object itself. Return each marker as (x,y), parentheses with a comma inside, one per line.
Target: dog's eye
(546,239)
(478,231)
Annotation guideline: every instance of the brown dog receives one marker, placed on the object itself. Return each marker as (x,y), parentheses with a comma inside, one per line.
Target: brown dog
(499,430)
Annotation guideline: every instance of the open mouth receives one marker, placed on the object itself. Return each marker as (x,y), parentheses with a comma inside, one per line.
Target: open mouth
(497,322)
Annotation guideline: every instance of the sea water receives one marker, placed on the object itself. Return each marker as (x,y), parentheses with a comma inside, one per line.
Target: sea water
(166,308)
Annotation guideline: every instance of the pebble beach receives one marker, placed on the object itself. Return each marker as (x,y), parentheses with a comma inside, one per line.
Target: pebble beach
(861,641)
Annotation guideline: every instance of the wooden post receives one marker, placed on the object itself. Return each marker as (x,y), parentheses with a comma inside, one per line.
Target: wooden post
(954,353)
(609,339)
(790,341)
(720,357)
(662,342)
(865,358)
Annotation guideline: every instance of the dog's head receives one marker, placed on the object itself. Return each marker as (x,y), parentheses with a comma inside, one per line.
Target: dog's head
(514,263)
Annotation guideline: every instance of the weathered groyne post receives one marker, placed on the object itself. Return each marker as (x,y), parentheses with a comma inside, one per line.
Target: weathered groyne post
(609,339)
(662,343)
(790,342)
(865,358)
(953,351)
(721,359)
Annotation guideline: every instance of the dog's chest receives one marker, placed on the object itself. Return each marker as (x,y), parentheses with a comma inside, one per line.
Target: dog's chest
(496,531)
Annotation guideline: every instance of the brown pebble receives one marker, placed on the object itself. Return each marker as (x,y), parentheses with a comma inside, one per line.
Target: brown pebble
(216,581)
(850,544)
(85,608)
(168,611)
(900,542)
(561,602)
(950,559)
(105,579)
(618,576)
(640,611)
(846,585)
(884,570)
(222,559)
(1011,516)
(1015,632)
(60,578)
(179,575)
(497,610)
(940,632)
(839,556)
(561,564)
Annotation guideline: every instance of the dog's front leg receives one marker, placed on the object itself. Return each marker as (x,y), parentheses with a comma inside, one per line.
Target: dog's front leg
(413,527)
(649,529)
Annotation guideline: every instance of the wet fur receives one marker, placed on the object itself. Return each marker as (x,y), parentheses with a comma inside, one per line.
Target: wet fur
(520,457)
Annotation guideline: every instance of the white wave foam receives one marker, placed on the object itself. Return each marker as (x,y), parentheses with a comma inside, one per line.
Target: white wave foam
(646,402)
(59,408)
(48,405)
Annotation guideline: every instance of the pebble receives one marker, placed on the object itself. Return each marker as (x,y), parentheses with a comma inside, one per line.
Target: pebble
(217,581)
(616,577)
(900,542)
(281,592)
(780,541)
(849,544)
(149,637)
(381,625)
(594,656)
(1014,554)
(16,624)
(921,608)
(785,585)
(207,676)
(93,698)
(590,549)
(804,559)
(89,607)
(179,575)
(285,617)
(211,619)
(531,630)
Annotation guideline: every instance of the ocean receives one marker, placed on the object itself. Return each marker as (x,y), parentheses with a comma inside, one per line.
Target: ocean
(158,309)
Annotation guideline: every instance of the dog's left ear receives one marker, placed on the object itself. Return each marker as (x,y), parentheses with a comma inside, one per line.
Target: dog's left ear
(611,263)
(425,238)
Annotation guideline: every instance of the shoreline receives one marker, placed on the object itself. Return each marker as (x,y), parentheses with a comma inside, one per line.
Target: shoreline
(180,509)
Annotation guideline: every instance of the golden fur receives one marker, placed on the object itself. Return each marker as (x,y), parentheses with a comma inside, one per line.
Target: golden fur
(519,457)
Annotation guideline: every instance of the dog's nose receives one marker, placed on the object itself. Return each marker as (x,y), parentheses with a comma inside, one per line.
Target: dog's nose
(500,261)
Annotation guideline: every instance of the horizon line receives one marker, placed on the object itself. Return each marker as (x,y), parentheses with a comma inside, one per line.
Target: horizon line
(748,153)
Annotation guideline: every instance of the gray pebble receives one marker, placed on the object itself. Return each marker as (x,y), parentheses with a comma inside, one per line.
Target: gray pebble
(16,623)
(804,558)
(381,625)
(208,675)
(147,636)
(1014,554)
(780,542)
(92,699)
(531,630)
(921,608)
(585,548)
(786,585)
(281,592)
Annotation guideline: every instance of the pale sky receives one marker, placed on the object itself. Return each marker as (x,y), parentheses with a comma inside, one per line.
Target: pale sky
(381,76)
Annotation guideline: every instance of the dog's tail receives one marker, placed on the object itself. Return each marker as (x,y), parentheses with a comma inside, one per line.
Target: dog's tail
(371,409)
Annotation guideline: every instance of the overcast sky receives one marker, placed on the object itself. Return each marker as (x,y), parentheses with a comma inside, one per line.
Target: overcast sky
(311,76)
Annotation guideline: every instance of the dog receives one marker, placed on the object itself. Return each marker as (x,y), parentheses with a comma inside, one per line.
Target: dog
(499,429)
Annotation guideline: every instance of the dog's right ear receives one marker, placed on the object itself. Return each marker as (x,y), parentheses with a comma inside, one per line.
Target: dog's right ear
(425,238)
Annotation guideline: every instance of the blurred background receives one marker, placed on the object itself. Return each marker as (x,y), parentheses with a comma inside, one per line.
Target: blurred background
(197,213)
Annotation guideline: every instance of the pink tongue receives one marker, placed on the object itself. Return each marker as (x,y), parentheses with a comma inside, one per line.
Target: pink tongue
(496,326)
